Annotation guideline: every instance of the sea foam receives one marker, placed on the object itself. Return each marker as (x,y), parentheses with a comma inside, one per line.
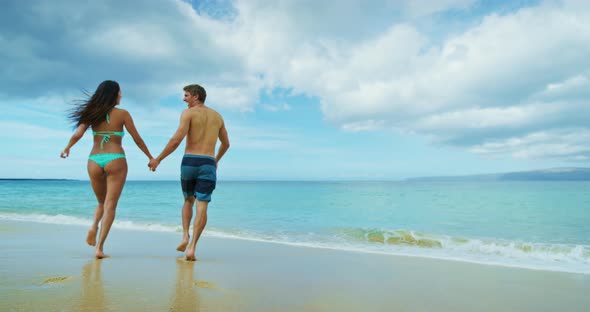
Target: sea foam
(531,255)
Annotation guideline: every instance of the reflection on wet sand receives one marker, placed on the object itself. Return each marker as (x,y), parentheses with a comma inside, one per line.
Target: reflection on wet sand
(185,296)
(92,297)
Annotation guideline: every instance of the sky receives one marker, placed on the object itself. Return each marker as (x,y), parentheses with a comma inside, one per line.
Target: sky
(309,90)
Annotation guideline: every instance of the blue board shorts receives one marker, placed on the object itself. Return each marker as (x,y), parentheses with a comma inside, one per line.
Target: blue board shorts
(198,176)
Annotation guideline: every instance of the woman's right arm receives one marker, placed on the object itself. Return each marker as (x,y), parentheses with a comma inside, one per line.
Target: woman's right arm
(130,126)
(78,134)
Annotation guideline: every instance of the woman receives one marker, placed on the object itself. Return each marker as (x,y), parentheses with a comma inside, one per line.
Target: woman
(107,167)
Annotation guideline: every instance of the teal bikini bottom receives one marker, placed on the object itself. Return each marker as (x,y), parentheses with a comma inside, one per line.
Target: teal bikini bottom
(103,159)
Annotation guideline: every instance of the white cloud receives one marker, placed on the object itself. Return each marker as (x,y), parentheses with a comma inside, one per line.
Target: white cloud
(68,45)
(240,97)
(25,131)
(573,143)
(277,107)
(138,40)
(504,77)
(368,125)
(576,87)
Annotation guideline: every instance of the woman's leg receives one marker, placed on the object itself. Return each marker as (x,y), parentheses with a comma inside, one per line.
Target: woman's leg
(99,186)
(116,173)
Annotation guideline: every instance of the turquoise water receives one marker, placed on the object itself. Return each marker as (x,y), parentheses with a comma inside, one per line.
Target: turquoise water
(541,225)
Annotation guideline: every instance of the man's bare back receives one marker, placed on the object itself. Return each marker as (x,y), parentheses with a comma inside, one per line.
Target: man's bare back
(204,130)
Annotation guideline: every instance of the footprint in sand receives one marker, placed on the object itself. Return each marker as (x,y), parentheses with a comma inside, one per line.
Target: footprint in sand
(58,279)
(206,285)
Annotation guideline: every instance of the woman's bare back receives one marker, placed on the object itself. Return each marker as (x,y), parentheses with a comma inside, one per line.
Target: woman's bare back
(116,124)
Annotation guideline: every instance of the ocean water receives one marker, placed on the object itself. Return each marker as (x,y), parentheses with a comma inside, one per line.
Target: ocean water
(537,225)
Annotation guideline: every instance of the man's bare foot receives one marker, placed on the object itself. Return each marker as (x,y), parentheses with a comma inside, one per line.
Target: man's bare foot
(190,255)
(91,237)
(182,246)
(100,255)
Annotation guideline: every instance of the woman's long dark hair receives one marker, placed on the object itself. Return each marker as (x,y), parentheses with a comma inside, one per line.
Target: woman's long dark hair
(94,110)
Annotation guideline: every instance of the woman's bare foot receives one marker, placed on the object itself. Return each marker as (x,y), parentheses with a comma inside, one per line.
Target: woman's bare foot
(100,255)
(91,237)
(182,246)
(190,255)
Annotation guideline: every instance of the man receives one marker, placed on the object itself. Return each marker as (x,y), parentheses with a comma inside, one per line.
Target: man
(202,126)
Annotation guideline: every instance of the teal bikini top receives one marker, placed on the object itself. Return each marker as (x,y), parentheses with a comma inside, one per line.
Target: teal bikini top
(106,135)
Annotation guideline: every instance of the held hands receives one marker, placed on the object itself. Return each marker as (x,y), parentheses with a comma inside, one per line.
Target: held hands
(65,153)
(153,164)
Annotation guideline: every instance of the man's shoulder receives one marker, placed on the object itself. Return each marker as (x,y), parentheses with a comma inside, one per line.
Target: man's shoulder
(210,112)
(196,111)
(189,112)
(216,113)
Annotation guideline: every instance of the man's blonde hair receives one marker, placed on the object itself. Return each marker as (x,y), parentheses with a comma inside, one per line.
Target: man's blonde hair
(195,89)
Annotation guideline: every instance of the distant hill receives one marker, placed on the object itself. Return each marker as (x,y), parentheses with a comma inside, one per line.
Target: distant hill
(554,174)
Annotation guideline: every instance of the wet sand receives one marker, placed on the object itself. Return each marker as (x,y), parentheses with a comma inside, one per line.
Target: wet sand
(45,267)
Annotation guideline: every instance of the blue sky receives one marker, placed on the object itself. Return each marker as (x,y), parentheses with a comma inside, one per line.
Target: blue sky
(310,90)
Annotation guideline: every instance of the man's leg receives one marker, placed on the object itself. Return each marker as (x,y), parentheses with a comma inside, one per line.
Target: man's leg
(187,215)
(198,227)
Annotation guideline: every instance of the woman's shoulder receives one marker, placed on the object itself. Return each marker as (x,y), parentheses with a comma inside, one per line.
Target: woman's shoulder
(116,109)
(120,115)
(119,111)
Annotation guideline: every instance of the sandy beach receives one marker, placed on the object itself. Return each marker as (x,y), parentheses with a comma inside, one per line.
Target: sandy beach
(46,267)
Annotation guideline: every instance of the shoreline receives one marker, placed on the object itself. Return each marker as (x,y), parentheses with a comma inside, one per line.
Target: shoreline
(127,225)
(49,267)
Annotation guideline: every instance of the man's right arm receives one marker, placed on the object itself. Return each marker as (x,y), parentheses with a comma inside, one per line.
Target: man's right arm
(224,138)
(175,141)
